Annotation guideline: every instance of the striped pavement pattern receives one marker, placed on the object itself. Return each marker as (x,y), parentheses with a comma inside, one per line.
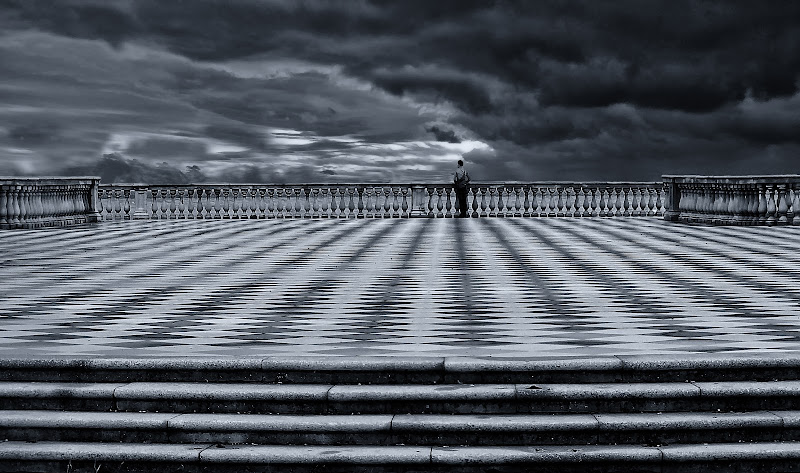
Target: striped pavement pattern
(440,287)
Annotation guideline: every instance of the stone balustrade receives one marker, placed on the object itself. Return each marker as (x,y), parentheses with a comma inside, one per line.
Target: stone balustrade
(47,201)
(734,200)
(541,199)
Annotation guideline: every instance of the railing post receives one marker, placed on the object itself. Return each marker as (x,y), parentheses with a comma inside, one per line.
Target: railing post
(673,199)
(140,201)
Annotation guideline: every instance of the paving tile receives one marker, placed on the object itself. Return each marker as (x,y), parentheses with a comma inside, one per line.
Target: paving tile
(393,288)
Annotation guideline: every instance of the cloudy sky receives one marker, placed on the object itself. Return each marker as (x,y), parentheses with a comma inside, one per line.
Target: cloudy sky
(375,91)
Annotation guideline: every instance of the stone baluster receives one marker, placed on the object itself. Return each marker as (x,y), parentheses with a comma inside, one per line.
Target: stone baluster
(795,204)
(616,202)
(280,198)
(772,207)
(501,202)
(216,203)
(395,212)
(13,206)
(335,199)
(259,204)
(518,211)
(491,205)
(580,199)
(536,201)
(763,204)
(737,205)
(570,198)
(643,208)
(782,204)
(154,209)
(269,203)
(383,204)
(649,202)
(309,211)
(123,209)
(526,203)
(202,203)
(439,202)
(234,201)
(483,206)
(472,202)
(405,206)
(448,203)
(351,203)
(557,202)
(250,203)
(359,208)
(114,205)
(4,223)
(22,200)
(751,203)
(296,203)
(314,206)
(224,196)
(601,199)
(36,199)
(625,201)
(169,206)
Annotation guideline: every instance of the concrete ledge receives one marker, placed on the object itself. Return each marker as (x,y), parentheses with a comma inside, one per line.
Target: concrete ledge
(544,454)
(269,454)
(750,389)
(732,452)
(282,423)
(494,423)
(417,370)
(100,451)
(480,392)
(689,420)
(45,390)
(84,420)
(216,391)
(373,455)
(462,365)
(356,363)
(608,391)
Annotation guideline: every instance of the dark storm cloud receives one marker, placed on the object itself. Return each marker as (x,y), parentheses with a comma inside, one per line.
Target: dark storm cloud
(608,89)
(444,135)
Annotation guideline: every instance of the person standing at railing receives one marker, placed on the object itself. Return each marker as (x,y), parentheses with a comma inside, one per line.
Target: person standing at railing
(461,183)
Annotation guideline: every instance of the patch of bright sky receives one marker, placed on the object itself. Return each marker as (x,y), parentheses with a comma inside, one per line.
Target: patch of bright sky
(271,68)
(121,142)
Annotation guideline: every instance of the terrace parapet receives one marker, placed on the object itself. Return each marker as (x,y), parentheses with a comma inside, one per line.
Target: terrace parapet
(733,200)
(229,201)
(35,202)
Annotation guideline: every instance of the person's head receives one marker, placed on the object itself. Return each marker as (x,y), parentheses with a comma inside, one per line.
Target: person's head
(460,163)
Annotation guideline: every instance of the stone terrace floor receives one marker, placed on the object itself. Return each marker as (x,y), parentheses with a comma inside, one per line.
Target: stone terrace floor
(472,287)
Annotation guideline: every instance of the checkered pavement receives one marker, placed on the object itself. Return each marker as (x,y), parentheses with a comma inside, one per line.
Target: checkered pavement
(439,287)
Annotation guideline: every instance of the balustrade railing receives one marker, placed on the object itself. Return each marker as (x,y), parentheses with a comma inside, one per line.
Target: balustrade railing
(542,199)
(734,200)
(47,202)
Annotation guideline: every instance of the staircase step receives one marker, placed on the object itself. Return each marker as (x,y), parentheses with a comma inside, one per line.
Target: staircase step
(429,429)
(406,370)
(80,457)
(402,399)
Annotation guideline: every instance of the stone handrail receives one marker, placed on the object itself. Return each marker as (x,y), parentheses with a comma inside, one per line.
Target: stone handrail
(47,201)
(221,201)
(734,200)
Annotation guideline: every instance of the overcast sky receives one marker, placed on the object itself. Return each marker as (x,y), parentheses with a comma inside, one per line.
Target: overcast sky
(376,91)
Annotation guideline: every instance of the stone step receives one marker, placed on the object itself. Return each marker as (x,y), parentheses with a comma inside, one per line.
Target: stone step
(406,370)
(93,457)
(177,397)
(387,430)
